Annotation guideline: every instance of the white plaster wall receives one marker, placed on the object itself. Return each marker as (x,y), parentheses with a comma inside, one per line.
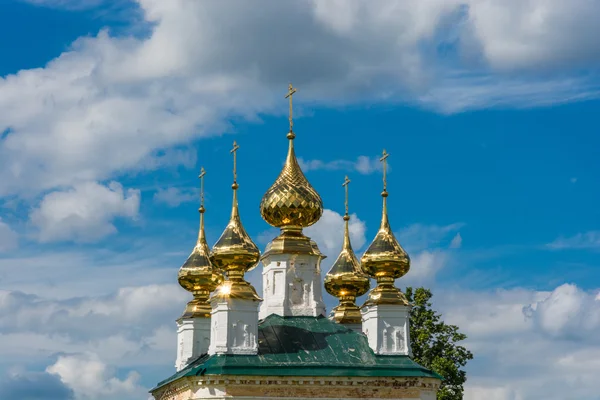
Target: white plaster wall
(193,339)
(387,329)
(234,326)
(292,286)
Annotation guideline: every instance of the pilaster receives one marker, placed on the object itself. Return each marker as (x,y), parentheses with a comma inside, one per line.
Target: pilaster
(292,285)
(387,327)
(193,338)
(234,326)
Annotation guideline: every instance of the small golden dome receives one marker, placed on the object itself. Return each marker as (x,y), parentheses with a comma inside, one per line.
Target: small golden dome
(197,274)
(385,257)
(235,250)
(385,260)
(291,201)
(346,281)
(235,253)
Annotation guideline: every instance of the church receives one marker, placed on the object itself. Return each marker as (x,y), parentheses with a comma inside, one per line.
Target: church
(233,343)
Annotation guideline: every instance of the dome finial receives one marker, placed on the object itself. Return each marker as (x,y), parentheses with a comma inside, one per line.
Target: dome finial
(235,253)
(197,274)
(385,260)
(290,93)
(291,203)
(345,280)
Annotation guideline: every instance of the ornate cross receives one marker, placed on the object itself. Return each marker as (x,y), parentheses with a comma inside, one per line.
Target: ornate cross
(291,91)
(345,184)
(234,151)
(383,159)
(201,176)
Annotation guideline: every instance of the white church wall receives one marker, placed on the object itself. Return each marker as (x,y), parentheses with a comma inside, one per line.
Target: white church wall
(387,328)
(292,286)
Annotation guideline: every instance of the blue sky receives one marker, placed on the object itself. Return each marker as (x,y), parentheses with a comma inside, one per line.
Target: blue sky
(108,110)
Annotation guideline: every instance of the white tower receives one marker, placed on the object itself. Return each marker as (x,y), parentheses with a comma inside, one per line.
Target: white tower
(386,312)
(234,321)
(292,272)
(198,276)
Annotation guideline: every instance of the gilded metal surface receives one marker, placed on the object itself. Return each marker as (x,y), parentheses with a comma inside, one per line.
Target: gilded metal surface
(385,260)
(197,274)
(291,202)
(345,280)
(235,253)
(292,241)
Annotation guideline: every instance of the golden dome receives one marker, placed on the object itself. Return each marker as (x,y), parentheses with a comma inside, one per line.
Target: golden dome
(291,201)
(235,253)
(197,274)
(385,260)
(346,281)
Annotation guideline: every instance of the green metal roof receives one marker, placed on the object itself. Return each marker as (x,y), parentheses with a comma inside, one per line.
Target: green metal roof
(305,346)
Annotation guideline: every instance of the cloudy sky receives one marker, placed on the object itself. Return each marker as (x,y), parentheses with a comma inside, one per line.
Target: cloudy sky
(109,108)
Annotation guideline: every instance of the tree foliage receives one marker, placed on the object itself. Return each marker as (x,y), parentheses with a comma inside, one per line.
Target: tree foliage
(434,344)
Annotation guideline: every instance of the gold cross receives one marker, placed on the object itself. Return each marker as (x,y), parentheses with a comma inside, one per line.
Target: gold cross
(345,184)
(383,159)
(291,91)
(201,176)
(234,151)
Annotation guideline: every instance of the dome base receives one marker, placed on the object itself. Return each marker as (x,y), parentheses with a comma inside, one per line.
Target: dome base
(292,241)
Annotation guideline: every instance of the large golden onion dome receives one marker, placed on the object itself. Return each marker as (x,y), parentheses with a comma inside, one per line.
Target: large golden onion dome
(291,201)
(197,274)
(385,260)
(291,204)
(235,253)
(346,280)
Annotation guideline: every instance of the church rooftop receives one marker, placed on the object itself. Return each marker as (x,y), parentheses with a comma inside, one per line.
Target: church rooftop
(305,346)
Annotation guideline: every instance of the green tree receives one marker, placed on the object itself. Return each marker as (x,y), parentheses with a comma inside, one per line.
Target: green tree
(434,344)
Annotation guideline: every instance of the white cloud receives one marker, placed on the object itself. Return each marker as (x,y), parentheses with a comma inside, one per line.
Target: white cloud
(173,196)
(90,378)
(112,104)
(90,272)
(424,266)
(328,232)
(9,239)
(84,213)
(418,237)
(456,241)
(535,33)
(568,313)
(588,240)
(527,344)
(364,165)
(491,393)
